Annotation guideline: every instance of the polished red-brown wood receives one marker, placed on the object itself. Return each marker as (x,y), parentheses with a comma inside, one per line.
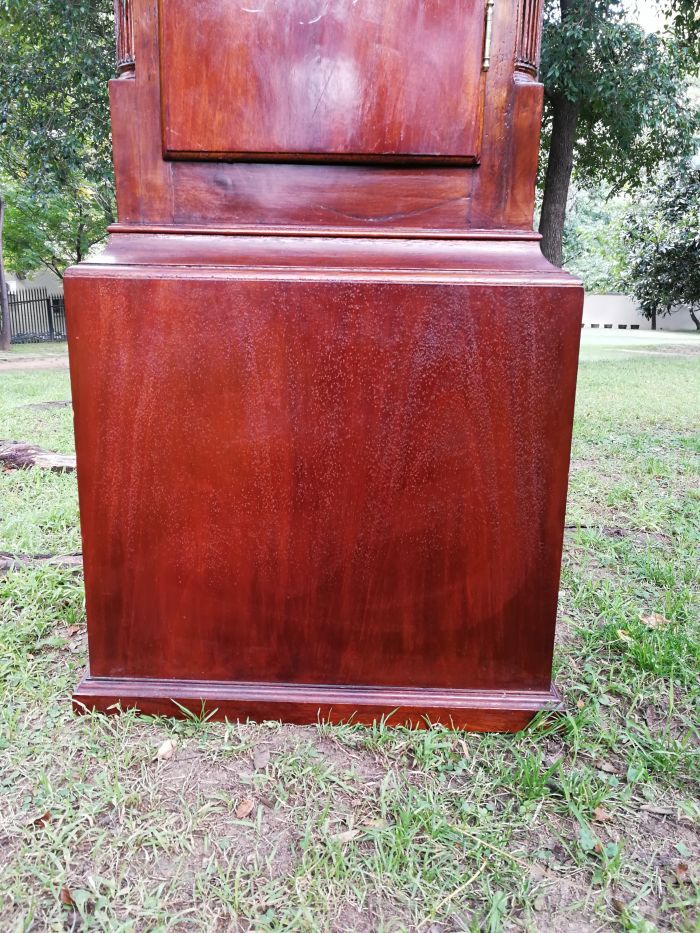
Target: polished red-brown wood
(323,411)
(477,711)
(499,194)
(322,79)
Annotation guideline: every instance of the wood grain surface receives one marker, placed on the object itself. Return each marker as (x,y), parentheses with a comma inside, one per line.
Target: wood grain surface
(322,79)
(496,194)
(356,478)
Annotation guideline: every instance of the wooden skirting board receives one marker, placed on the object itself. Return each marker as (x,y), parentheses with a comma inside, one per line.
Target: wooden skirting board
(472,710)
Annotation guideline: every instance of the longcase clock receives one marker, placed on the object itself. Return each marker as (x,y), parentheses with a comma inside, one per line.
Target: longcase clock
(323,376)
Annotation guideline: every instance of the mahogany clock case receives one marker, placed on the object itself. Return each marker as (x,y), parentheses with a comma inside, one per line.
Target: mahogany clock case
(323,410)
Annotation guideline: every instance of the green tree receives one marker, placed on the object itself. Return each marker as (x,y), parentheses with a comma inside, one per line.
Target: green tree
(662,241)
(593,247)
(54,114)
(54,127)
(685,19)
(616,102)
(51,229)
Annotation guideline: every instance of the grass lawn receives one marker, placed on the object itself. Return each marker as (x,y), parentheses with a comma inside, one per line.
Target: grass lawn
(590,822)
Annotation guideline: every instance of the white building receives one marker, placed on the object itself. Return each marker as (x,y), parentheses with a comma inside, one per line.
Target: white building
(618,312)
(44,279)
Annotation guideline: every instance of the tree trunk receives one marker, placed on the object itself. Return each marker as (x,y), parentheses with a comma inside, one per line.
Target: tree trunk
(558,178)
(560,165)
(694,318)
(653,319)
(79,237)
(4,301)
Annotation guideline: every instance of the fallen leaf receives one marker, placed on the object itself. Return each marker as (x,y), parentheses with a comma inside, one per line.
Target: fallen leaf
(682,873)
(72,630)
(625,636)
(654,620)
(261,758)
(601,815)
(607,767)
(245,808)
(42,820)
(347,836)
(167,750)
(65,897)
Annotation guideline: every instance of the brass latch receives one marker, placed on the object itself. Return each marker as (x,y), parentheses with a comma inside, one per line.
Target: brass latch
(488,34)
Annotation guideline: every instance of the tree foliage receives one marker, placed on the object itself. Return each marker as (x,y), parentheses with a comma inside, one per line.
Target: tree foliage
(50,228)
(616,103)
(662,242)
(684,16)
(593,238)
(54,113)
(55,150)
(630,89)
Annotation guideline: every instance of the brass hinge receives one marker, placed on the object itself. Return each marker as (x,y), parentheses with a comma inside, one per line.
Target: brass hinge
(488,34)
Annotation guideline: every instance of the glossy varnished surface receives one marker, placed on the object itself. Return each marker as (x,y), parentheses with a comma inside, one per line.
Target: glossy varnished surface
(322,79)
(333,481)
(499,194)
(477,711)
(330,256)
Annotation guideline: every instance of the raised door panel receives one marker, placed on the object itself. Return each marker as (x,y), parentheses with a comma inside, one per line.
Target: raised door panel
(332,80)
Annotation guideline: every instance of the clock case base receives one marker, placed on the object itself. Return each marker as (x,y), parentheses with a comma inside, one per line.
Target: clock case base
(483,316)
(306,704)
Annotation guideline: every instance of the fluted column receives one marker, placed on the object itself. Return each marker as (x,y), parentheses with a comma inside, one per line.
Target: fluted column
(528,37)
(124,22)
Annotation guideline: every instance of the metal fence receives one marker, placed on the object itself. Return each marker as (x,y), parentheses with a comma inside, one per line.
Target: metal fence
(36,316)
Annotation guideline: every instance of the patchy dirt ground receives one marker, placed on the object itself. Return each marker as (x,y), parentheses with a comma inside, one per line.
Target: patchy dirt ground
(590,822)
(15,363)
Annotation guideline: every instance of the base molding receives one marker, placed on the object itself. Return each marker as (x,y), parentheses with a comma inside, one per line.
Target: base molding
(303,704)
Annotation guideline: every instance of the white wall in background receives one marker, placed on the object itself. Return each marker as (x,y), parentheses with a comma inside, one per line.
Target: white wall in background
(619,310)
(45,279)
